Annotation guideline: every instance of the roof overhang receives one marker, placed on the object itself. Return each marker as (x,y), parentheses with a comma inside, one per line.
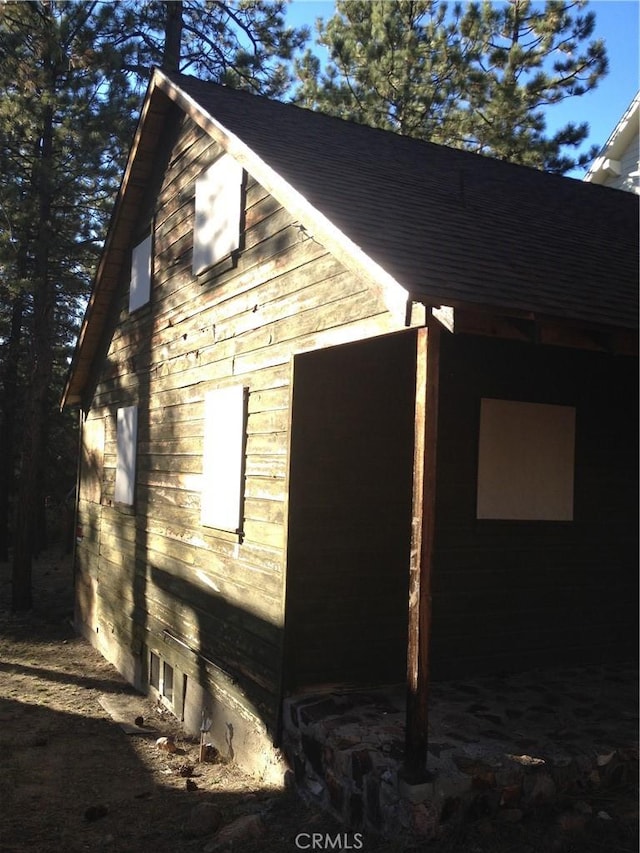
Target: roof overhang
(607,163)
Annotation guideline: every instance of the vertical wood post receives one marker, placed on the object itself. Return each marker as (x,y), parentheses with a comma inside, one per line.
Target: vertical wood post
(422,530)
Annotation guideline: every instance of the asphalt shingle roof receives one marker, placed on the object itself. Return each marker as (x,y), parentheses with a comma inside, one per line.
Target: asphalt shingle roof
(450,226)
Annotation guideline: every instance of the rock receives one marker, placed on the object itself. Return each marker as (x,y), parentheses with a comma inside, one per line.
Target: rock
(572,822)
(95,812)
(544,788)
(316,788)
(527,760)
(604,758)
(471,766)
(166,743)
(483,781)
(583,807)
(510,815)
(242,829)
(450,809)
(210,755)
(203,819)
(604,815)
(511,795)
(484,826)
(424,821)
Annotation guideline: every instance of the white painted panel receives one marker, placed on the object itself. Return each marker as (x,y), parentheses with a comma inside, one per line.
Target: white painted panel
(140,285)
(526,461)
(222,464)
(218,213)
(127,436)
(92,460)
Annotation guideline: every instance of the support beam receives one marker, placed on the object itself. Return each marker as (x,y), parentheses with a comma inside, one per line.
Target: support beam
(421,558)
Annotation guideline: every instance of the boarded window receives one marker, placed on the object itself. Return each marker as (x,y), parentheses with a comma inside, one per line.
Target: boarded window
(167,682)
(223,458)
(218,213)
(92,460)
(127,434)
(154,671)
(526,461)
(140,284)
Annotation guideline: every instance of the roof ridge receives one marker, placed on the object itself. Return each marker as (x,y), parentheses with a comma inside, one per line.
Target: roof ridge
(179,78)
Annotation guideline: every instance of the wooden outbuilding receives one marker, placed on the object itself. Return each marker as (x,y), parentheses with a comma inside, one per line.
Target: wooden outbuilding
(356,409)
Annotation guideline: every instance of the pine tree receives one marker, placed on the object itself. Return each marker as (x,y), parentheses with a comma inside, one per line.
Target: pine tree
(478,76)
(61,122)
(71,78)
(394,65)
(241,43)
(531,58)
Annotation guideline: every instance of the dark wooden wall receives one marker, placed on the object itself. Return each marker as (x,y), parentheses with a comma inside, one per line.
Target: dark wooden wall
(505,594)
(350,513)
(154,567)
(513,594)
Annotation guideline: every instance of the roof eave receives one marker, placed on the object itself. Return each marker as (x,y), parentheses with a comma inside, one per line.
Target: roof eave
(100,293)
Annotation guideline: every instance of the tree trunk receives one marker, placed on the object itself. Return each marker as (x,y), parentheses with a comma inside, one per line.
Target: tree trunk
(28,494)
(172,36)
(7,424)
(41,366)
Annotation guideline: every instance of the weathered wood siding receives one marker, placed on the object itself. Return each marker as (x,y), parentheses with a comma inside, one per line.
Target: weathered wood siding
(350,513)
(514,594)
(154,567)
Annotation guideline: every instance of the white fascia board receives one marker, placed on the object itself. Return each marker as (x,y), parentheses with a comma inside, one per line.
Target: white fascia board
(621,137)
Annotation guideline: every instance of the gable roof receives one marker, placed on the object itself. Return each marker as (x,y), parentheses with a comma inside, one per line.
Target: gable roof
(422,222)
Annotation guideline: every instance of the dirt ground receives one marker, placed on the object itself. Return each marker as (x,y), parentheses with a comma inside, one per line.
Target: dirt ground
(71,780)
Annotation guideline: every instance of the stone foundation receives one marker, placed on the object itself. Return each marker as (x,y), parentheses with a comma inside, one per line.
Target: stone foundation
(497,746)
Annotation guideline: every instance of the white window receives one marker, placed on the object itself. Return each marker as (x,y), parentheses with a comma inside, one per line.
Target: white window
(526,461)
(127,435)
(223,458)
(140,283)
(218,213)
(161,677)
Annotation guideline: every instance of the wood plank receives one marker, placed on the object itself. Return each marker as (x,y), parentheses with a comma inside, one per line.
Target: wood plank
(422,537)
(234,325)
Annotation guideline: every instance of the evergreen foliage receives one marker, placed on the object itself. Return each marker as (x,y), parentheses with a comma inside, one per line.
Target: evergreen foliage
(241,43)
(63,115)
(478,76)
(71,79)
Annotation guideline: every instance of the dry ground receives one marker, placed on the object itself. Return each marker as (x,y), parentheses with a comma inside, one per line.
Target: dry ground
(71,780)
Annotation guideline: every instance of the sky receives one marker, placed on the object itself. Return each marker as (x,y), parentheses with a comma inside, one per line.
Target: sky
(616,23)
